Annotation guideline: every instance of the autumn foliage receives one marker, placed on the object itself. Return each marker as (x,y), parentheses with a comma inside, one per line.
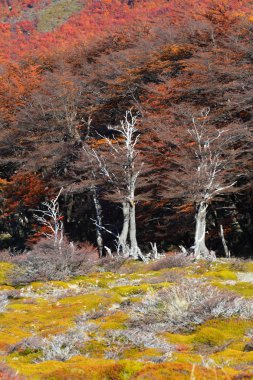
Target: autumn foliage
(67,72)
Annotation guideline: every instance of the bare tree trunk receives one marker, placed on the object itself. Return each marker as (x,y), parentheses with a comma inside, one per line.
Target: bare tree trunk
(125,228)
(132,232)
(200,249)
(226,250)
(69,206)
(98,209)
(124,180)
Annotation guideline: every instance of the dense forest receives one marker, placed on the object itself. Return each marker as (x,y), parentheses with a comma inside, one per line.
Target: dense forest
(135,117)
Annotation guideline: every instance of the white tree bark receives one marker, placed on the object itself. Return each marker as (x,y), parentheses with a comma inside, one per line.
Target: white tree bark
(51,217)
(99,222)
(208,180)
(226,250)
(132,232)
(200,249)
(125,228)
(123,155)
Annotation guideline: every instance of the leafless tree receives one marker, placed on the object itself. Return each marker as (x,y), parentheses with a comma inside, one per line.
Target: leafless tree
(51,217)
(209,179)
(120,168)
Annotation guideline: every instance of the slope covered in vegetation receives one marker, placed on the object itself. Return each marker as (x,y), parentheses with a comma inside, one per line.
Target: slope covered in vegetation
(169,319)
(69,73)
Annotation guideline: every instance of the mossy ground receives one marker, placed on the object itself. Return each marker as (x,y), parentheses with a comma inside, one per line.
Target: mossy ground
(100,304)
(57,13)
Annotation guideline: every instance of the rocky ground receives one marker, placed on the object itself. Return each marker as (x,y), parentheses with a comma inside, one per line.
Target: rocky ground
(163,320)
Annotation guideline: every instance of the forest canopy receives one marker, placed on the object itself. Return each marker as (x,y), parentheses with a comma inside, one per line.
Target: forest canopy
(140,111)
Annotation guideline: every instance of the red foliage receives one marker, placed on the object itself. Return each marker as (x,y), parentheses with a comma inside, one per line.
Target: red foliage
(16,85)
(168,59)
(24,190)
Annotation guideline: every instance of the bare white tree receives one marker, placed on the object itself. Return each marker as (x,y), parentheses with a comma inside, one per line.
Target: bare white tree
(51,217)
(209,179)
(120,169)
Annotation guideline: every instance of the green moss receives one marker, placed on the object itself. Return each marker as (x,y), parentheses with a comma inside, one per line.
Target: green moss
(244,289)
(138,354)
(6,287)
(126,291)
(5,270)
(178,338)
(23,319)
(223,275)
(94,348)
(235,327)
(231,357)
(58,284)
(56,14)
(184,357)
(130,368)
(24,357)
(79,368)
(210,337)
(217,332)
(36,286)
(161,285)
(90,301)
(11,336)
(102,280)
(181,371)
(114,321)
(248,266)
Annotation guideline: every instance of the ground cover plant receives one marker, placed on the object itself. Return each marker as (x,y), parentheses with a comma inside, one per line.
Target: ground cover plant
(172,322)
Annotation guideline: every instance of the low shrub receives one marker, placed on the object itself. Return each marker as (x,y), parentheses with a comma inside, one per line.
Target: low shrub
(45,262)
(169,276)
(62,347)
(111,264)
(59,347)
(186,305)
(138,338)
(175,260)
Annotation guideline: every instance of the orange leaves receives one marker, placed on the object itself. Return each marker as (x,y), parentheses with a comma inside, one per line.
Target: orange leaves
(24,190)
(186,208)
(16,84)
(96,143)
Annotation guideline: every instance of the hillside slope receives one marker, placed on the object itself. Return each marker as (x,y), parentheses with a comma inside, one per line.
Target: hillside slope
(71,70)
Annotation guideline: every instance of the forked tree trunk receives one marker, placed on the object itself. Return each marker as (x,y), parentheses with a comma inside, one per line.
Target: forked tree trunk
(200,249)
(125,229)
